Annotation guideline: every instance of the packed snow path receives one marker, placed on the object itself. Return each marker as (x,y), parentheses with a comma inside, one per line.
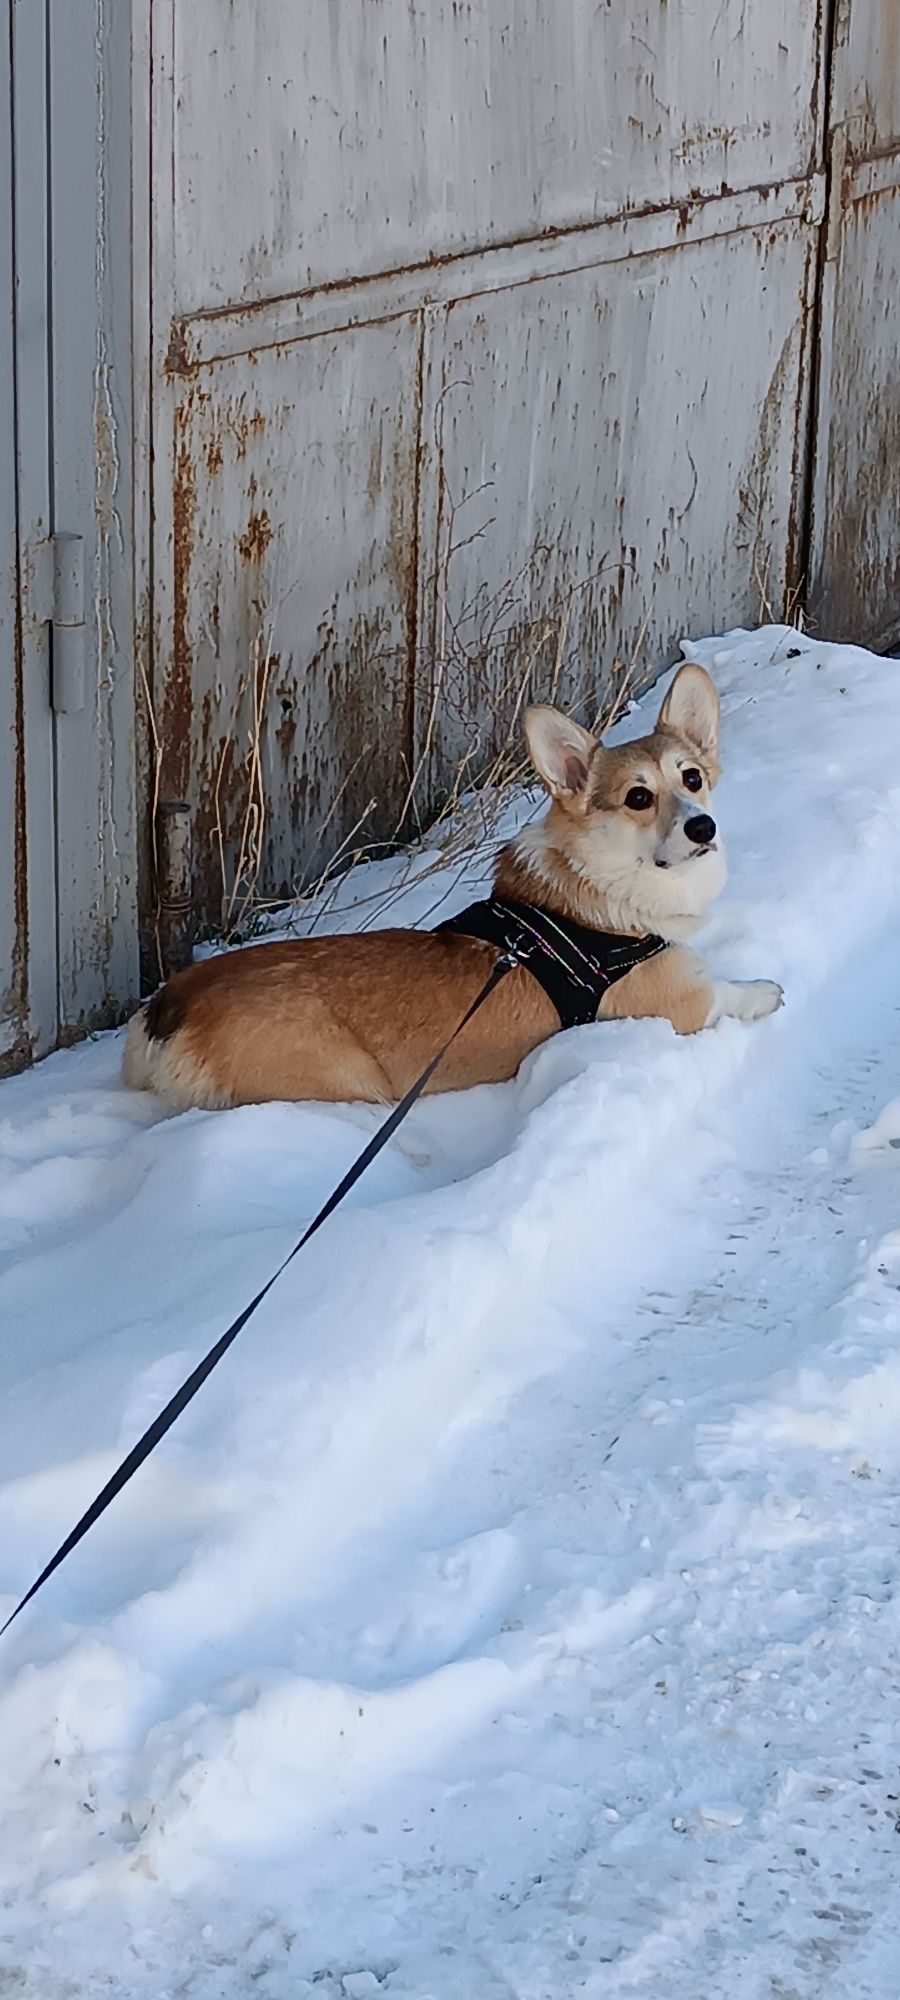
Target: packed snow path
(517,1614)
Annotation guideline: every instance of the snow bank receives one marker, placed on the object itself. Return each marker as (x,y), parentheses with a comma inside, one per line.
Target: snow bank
(192,1696)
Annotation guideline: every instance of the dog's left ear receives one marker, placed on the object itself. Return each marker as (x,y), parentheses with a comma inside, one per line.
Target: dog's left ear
(691,710)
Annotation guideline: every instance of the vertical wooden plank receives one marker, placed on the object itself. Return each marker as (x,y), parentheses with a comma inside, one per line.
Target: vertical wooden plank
(164,717)
(143,394)
(12,832)
(32,346)
(90,151)
(854,553)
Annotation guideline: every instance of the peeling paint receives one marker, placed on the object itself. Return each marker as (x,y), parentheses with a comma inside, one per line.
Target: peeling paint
(254,541)
(177,709)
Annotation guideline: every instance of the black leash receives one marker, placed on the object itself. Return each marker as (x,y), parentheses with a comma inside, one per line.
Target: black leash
(204,1368)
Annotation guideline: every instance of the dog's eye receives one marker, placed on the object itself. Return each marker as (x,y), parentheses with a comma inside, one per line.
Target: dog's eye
(693,780)
(639,798)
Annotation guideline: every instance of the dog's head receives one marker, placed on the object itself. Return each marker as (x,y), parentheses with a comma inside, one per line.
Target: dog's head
(635,821)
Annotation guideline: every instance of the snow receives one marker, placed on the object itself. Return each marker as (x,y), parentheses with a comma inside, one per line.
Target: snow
(515,1612)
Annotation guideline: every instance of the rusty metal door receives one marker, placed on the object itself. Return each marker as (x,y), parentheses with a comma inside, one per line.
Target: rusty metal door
(480,356)
(856,491)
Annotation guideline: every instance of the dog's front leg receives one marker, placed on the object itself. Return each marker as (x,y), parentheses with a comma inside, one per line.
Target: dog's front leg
(678,986)
(743,1000)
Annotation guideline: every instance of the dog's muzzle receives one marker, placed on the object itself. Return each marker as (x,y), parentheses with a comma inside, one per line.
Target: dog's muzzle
(701,831)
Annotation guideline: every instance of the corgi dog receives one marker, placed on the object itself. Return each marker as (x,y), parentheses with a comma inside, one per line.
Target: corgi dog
(627,847)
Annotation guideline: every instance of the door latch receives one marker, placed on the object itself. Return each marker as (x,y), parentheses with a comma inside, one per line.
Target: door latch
(57,599)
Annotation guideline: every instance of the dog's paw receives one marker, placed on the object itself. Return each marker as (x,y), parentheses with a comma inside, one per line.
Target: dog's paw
(758,997)
(744,1000)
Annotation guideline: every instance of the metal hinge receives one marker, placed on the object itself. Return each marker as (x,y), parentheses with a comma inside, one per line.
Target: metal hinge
(57,599)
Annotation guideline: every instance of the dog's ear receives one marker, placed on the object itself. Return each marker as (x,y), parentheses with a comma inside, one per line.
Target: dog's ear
(560,751)
(691,710)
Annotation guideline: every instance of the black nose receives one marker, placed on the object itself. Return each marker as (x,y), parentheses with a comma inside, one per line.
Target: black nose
(701,828)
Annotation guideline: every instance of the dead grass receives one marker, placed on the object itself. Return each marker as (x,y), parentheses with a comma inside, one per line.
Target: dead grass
(240,885)
(487,656)
(794,613)
(462,835)
(155,770)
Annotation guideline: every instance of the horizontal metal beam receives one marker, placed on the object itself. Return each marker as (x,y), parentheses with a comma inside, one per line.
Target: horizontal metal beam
(207,337)
(866,178)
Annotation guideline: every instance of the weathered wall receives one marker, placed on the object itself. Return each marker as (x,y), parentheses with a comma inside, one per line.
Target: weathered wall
(397,360)
(481,349)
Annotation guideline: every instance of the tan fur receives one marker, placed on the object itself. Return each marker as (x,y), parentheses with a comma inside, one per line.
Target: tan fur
(675,987)
(359,1017)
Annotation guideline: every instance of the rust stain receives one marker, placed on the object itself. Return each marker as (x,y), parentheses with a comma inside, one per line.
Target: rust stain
(246,311)
(256,537)
(230,425)
(177,714)
(244,428)
(285,734)
(799,525)
(206,719)
(408,555)
(755,494)
(146,775)
(863,201)
(178,360)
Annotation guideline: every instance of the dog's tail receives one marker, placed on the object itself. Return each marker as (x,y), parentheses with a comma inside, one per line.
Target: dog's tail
(156,1057)
(137,1062)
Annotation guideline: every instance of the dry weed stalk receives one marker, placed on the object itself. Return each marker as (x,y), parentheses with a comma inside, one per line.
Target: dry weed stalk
(464,836)
(463,831)
(794,613)
(156,770)
(240,899)
(487,657)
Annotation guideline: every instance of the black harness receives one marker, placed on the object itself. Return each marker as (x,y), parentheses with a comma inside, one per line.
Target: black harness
(574,964)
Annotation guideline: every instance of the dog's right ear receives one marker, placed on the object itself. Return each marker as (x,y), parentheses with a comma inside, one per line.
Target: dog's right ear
(691,709)
(560,750)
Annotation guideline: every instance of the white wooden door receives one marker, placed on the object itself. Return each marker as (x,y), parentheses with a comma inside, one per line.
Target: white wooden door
(68,952)
(12,939)
(28,911)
